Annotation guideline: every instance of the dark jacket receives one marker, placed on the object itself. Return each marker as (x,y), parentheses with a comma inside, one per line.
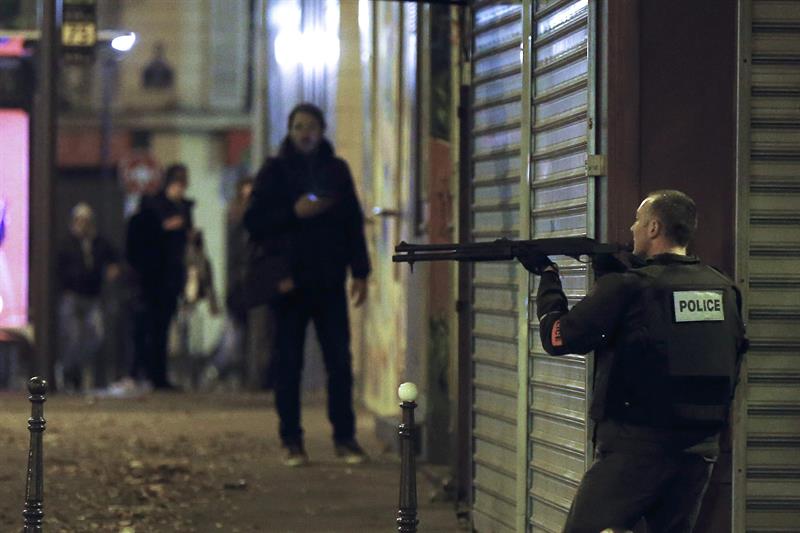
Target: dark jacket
(236,262)
(76,274)
(156,255)
(174,240)
(144,250)
(604,321)
(322,248)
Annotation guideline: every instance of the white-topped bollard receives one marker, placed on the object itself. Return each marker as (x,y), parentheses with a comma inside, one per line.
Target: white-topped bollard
(407,514)
(407,392)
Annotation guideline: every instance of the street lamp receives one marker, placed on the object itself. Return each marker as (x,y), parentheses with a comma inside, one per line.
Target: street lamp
(116,50)
(124,43)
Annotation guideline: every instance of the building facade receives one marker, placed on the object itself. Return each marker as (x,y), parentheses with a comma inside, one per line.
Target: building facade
(576,110)
(554,118)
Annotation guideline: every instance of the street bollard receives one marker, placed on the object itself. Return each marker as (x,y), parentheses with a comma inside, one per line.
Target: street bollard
(407,515)
(34,486)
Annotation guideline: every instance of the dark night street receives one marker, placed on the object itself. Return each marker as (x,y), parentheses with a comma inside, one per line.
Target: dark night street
(196,463)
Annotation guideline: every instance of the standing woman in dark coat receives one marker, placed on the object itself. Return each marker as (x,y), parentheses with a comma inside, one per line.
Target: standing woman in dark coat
(304,206)
(156,246)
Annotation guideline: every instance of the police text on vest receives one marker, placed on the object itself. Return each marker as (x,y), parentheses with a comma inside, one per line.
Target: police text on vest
(698,306)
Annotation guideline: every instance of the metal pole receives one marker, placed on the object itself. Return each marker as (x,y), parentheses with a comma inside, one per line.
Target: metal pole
(463,432)
(525,279)
(108,72)
(34,486)
(407,514)
(260,132)
(260,320)
(42,185)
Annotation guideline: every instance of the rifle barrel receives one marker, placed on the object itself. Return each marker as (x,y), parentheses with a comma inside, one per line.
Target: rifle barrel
(406,247)
(501,249)
(413,257)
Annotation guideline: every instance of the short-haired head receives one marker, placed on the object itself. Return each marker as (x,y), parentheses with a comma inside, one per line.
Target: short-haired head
(677,213)
(176,172)
(83,222)
(82,210)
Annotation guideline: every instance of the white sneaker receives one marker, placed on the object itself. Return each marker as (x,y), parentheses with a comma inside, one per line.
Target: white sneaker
(295,455)
(123,388)
(350,452)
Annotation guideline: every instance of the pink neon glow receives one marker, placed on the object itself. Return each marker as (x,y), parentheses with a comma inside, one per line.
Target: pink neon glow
(12,46)
(14,157)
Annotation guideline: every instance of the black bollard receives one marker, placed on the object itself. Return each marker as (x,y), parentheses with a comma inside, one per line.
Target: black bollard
(407,514)
(34,487)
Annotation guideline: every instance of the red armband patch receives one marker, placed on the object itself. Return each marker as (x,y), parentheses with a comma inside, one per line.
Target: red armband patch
(555,334)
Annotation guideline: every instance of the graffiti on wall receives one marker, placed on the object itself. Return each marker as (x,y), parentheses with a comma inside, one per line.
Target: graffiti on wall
(386,318)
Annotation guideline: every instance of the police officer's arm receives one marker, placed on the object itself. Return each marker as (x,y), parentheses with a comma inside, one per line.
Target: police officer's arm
(590,323)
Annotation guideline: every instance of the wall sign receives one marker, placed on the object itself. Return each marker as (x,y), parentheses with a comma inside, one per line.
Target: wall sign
(79,30)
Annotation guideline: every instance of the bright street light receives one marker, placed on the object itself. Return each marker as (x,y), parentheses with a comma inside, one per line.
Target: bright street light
(123,43)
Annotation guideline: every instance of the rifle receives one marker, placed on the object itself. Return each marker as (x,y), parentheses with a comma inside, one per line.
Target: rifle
(602,254)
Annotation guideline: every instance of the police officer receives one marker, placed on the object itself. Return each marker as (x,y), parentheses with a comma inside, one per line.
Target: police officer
(668,338)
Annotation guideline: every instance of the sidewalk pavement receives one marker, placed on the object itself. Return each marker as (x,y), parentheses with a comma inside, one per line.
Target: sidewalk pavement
(198,463)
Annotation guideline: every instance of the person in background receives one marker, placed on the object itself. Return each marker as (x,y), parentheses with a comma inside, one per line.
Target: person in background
(304,202)
(156,248)
(199,287)
(199,275)
(143,251)
(230,353)
(85,261)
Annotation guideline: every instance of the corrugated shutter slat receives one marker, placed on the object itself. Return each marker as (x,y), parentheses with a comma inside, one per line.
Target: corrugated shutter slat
(495,212)
(559,207)
(772,430)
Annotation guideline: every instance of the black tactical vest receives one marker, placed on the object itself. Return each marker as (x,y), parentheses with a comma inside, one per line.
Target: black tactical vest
(676,358)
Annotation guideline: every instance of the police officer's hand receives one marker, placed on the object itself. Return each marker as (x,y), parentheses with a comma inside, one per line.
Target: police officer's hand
(309,206)
(536,262)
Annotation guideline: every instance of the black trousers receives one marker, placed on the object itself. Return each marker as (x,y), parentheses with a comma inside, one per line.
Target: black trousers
(152,319)
(328,310)
(620,488)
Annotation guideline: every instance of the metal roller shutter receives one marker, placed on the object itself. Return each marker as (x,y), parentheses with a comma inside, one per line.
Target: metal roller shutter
(496,115)
(561,205)
(767,436)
